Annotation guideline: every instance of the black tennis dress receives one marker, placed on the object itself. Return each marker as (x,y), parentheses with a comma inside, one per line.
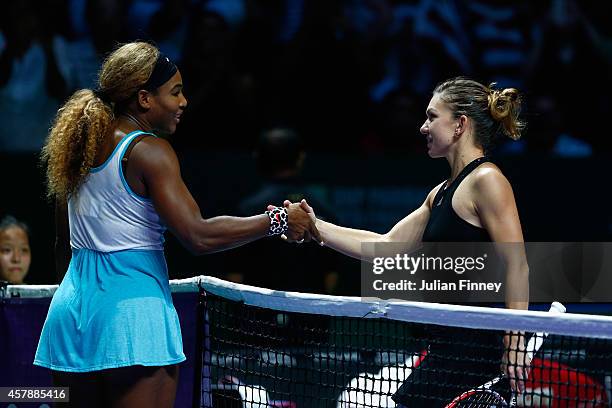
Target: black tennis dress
(444,224)
(458,359)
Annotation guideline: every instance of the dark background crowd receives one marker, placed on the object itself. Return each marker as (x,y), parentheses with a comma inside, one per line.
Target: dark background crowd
(343,85)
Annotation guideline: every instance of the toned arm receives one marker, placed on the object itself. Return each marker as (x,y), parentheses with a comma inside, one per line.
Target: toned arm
(409,231)
(495,205)
(158,166)
(496,208)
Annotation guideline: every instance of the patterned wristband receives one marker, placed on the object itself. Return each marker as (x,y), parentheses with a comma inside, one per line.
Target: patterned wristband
(279,221)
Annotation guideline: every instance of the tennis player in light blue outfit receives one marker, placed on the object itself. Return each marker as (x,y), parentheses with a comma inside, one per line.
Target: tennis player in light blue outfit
(112,334)
(116,277)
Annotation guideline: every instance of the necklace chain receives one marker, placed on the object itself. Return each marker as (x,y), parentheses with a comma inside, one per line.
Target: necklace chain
(133,119)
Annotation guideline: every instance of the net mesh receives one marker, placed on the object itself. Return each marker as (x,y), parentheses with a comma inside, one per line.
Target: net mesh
(277,349)
(263,348)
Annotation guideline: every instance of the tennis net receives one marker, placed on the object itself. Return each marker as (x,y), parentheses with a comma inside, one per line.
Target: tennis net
(264,348)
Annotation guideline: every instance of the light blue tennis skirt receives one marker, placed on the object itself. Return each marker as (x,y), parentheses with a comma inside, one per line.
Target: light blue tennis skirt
(111,310)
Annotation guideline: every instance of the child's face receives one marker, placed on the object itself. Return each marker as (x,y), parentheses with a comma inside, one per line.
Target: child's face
(15,256)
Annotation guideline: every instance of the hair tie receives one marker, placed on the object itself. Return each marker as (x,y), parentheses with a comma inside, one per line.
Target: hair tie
(492,95)
(102,95)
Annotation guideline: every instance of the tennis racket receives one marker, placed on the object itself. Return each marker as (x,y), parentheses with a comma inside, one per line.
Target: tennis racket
(485,395)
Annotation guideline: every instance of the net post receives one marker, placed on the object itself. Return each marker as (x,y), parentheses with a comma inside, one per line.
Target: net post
(3,290)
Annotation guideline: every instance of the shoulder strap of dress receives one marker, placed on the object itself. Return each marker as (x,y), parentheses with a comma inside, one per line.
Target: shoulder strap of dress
(450,188)
(440,194)
(467,170)
(135,139)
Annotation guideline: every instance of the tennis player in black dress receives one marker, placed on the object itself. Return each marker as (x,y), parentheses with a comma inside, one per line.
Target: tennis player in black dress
(475,204)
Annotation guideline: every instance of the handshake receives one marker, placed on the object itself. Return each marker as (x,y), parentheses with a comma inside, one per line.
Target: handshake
(302,223)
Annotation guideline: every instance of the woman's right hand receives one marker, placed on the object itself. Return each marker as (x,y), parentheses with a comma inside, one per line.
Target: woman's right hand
(303,235)
(302,222)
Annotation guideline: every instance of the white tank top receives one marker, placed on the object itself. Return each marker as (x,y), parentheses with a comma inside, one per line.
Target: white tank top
(106,215)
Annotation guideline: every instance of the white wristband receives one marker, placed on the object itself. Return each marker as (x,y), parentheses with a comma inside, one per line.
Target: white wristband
(279,220)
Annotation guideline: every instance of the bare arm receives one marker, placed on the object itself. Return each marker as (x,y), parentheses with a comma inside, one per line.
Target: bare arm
(496,207)
(174,203)
(409,231)
(62,240)
(346,240)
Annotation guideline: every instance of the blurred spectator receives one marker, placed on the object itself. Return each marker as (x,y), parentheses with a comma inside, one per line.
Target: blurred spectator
(327,71)
(96,26)
(31,84)
(403,86)
(398,118)
(501,37)
(280,155)
(571,72)
(164,22)
(15,255)
(265,62)
(221,105)
(442,44)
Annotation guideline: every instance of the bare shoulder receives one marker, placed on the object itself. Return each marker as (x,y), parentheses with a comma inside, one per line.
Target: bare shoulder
(154,145)
(488,175)
(488,181)
(153,152)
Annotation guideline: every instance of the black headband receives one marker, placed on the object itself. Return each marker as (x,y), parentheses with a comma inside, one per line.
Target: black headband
(162,72)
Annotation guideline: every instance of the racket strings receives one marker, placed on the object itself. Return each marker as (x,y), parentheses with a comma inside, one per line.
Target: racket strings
(493,394)
(482,399)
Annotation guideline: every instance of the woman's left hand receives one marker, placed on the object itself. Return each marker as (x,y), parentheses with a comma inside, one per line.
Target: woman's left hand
(515,361)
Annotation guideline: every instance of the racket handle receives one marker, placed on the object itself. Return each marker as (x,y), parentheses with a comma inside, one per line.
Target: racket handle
(535,342)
